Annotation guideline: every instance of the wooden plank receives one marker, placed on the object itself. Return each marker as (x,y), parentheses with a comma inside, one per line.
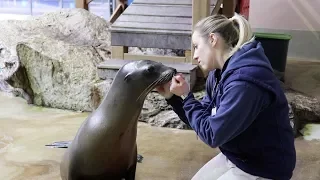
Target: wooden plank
(153,40)
(158,58)
(155,19)
(159,10)
(140,25)
(150,31)
(169,2)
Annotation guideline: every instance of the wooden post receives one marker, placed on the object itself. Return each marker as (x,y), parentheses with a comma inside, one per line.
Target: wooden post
(200,10)
(121,6)
(229,7)
(187,54)
(117,52)
(84,4)
(217,7)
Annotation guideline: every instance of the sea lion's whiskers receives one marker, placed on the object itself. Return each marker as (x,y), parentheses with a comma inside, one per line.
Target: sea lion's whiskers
(159,80)
(149,88)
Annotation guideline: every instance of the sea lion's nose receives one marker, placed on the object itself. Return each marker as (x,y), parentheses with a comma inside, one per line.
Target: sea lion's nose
(174,70)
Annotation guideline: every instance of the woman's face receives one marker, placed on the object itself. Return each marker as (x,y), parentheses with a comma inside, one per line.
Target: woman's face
(203,52)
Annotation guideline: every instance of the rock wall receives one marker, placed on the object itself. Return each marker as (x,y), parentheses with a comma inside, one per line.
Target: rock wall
(303,109)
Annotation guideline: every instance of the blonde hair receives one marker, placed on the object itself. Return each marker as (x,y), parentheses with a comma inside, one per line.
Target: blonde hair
(236,31)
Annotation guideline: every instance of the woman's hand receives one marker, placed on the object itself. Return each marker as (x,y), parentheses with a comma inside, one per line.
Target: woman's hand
(164,90)
(179,86)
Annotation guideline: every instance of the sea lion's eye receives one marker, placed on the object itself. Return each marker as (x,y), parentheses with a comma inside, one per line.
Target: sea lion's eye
(150,69)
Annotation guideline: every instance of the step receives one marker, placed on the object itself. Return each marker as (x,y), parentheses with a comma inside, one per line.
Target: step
(109,68)
(155,24)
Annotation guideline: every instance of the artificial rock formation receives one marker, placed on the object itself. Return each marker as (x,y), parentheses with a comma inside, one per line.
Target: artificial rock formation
(51,60)
(53,57)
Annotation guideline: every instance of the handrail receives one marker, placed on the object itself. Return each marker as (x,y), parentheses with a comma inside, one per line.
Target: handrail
(118,11)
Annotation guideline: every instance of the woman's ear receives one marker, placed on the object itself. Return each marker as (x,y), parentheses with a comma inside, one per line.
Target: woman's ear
(213,38)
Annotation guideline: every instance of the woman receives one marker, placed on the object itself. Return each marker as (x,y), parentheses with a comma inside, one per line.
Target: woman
(244,112)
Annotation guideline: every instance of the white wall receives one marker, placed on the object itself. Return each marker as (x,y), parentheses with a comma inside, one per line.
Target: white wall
(303,15)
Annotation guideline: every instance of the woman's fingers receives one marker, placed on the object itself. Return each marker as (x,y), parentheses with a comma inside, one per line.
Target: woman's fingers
(159,88)
(180,78)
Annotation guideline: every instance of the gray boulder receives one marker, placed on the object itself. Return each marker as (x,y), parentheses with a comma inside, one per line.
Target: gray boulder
(53,58)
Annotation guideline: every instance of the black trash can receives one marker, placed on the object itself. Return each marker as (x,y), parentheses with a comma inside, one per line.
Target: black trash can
(276,49)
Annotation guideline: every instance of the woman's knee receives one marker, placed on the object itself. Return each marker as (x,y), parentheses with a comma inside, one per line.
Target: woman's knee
(213,169)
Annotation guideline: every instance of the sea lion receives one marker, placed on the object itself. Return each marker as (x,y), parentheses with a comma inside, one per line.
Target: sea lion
(105,145)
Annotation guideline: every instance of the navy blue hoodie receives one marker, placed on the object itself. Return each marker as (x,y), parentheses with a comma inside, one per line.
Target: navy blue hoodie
(245,114)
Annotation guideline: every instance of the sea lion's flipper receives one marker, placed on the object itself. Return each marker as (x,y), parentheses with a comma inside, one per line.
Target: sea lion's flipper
(60,144)
(139,158)
(131,173)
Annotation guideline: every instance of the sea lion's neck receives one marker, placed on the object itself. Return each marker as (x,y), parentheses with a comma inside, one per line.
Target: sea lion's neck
(124,95)
(120,111)
(123,101)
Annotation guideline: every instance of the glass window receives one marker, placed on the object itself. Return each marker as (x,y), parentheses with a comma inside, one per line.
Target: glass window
(100,8)
(12,8)
(15,7)
(43,6)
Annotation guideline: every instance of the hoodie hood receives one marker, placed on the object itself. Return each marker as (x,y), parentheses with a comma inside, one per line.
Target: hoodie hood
(250,64)
(251,54)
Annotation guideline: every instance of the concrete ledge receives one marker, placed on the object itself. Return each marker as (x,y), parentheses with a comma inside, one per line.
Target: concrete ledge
(158,58)
(152,40)
(109,68)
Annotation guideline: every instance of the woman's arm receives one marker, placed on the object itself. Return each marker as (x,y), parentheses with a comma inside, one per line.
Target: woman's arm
(177,102)
(177,105)
(240,104)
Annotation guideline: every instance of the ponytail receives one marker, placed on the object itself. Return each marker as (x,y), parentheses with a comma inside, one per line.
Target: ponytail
(244,32)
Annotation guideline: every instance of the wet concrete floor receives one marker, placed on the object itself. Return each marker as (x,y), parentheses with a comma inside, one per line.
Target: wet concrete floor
(169,154)
(304,76)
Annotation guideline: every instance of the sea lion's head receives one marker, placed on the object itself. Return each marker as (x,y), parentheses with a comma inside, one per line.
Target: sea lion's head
(144,75)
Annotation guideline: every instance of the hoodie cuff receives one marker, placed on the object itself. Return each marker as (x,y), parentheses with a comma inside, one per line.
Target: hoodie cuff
(188,97)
